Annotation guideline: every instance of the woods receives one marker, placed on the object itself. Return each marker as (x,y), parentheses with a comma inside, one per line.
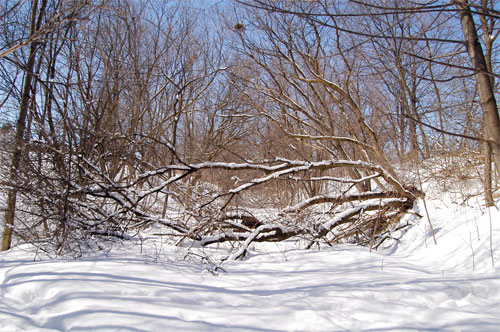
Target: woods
(239,121)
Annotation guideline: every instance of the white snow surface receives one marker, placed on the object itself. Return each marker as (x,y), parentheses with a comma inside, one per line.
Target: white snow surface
(414,285)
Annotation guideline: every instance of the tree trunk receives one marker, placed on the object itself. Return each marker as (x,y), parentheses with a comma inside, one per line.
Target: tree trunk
(488,191)
(484,85)
(21,128)
(487,25)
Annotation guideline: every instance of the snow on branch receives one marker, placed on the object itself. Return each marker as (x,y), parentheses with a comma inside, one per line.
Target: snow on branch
(336,199)
(104,203)
(335,179)
(345,215)
(241,252)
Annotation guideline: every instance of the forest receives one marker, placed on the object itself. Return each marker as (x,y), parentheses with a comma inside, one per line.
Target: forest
(240,121)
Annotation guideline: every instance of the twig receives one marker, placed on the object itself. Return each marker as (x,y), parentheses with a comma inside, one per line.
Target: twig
(425,205)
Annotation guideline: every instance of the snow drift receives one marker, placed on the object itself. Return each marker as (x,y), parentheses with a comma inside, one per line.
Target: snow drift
(414,285)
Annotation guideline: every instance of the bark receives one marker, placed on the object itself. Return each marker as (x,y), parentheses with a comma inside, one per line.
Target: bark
(36,17)
(489,38)
(488,191)
(484,83)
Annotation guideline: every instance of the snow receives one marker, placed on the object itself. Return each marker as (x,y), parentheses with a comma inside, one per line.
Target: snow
(414,285)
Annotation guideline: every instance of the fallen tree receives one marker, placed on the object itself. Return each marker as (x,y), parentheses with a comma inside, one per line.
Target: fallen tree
(69,208)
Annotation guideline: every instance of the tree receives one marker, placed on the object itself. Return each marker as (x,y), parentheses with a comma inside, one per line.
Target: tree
(65,14)
(485,83)
(36,19)
(432,17)
(137,115)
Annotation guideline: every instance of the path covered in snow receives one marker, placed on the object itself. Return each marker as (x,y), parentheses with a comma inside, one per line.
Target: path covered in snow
(414,286)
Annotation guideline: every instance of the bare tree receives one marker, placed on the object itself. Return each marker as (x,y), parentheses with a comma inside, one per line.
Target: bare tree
(66,13)
(484,82)
(433,18)
(36,19)
(136,114)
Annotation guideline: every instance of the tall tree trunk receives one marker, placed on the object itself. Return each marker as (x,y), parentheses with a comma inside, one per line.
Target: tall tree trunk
(35,21)
(488,191)
(487,25)
(484,83)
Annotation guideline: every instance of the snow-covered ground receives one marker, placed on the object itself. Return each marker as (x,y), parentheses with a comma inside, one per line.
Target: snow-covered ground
(413,286)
